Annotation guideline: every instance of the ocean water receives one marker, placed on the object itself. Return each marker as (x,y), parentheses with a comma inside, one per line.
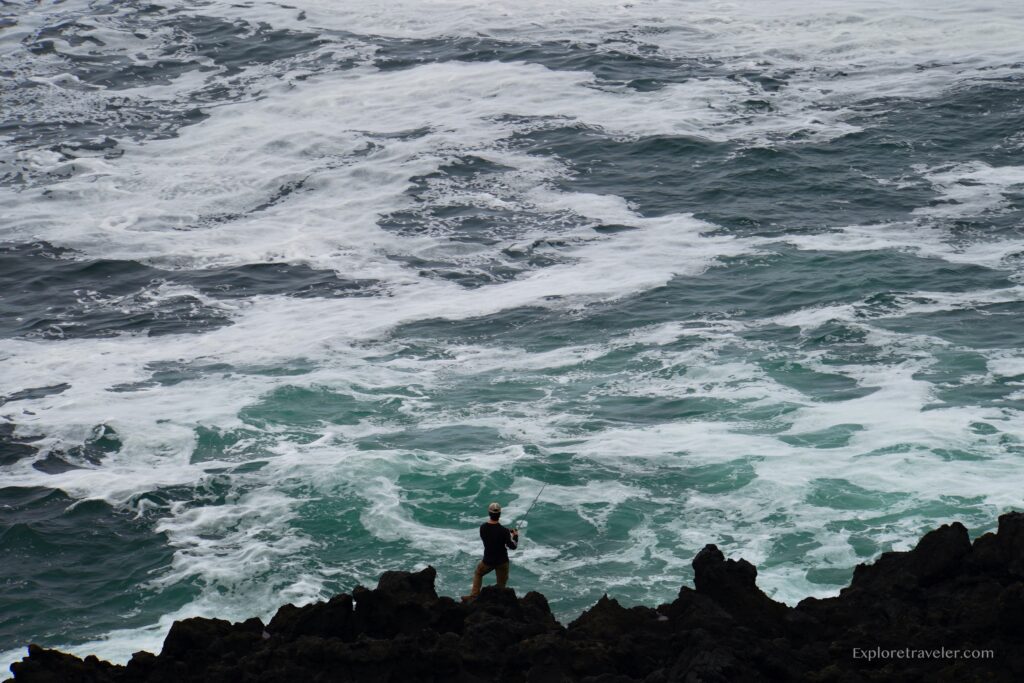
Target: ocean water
(290,292)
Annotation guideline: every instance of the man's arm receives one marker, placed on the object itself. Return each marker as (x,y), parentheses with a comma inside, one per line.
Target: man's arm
(513,539)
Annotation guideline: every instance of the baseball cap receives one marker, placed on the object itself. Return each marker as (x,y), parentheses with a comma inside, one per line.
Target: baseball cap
(494,507)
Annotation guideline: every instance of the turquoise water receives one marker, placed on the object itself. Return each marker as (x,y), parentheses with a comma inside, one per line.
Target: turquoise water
(289,294)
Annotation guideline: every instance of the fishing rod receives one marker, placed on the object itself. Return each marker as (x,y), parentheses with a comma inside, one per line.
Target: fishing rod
(535,499)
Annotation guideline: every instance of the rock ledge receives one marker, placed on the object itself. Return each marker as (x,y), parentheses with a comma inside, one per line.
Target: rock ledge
(948,610)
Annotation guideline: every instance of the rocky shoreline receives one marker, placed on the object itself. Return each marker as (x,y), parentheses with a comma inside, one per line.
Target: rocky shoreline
(948,610)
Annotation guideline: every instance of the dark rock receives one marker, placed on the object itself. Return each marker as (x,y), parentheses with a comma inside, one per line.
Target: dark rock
(945,593)
(141,665)
(940,554)
(332,619)
(717,665)
(1002,551)
(404,587)
(51,666)
(208,639)
(732,584)
(400,604)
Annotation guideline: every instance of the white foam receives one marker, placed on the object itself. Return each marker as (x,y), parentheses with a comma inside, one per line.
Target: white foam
(830,53)
(1008,366)
(156,202)
(921,302)
(212,541)
(593,501)
(924,240)
(251,151)
(970,189)
(666,333)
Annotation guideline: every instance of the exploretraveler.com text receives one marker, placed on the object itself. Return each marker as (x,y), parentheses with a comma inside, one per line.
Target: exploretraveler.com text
(874,653)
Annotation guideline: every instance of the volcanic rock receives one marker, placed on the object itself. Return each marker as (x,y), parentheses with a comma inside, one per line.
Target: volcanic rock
(948,610)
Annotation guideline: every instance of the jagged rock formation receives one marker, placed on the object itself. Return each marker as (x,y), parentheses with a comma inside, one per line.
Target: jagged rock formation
(946,593)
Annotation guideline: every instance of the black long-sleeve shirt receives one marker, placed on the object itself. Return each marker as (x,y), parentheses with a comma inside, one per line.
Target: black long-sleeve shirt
(496,538)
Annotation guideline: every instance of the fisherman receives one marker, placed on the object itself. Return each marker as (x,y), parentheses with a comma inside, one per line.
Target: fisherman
(496,539)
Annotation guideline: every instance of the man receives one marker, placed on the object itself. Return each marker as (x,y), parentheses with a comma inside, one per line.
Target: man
(496,539)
